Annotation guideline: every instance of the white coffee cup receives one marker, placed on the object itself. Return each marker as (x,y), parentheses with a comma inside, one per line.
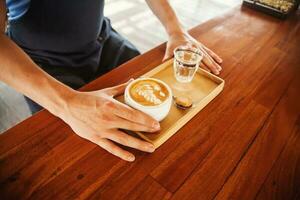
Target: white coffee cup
(158,112)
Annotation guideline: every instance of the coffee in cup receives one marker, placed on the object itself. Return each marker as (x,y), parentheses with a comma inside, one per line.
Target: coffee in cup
(148,92)
(149,95)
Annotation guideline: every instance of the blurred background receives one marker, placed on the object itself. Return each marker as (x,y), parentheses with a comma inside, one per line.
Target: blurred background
(134,20)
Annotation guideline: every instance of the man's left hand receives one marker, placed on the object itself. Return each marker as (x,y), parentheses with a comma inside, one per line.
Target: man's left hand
(210,62)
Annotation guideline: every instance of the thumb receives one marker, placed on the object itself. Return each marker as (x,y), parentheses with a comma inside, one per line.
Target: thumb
(118,89)
(168,54)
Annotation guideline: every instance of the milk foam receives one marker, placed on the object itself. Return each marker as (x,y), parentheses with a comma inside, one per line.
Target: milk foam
(147,91)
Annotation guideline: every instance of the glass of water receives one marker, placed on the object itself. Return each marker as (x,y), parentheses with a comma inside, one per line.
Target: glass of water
(187,59)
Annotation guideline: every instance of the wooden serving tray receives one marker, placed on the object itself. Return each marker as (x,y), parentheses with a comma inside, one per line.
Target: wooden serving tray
(204,88)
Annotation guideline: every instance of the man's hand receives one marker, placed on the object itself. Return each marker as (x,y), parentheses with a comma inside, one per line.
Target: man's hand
(177,36)
(210,62)
(96,116)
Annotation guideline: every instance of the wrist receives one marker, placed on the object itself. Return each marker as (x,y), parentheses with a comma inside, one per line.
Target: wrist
(173,27)
(59,102)
(177,33)
(61,106)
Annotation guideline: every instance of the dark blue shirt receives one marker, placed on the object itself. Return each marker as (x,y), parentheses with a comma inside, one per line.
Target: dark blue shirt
(59,32)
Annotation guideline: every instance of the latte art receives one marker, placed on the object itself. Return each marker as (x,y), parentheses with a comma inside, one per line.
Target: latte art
(149,92)
(149,95)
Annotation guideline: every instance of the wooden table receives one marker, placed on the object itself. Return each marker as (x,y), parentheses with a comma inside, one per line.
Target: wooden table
(243,145)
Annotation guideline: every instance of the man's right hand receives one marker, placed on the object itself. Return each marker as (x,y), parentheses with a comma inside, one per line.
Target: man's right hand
(97,117)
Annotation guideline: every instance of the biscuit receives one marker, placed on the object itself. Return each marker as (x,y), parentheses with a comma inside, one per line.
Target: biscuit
(183,102)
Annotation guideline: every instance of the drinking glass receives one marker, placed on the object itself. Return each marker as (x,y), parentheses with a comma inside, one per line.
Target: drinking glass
(187,59)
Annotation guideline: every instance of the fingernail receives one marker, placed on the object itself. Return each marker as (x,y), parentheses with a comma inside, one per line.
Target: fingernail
(217,72)
(130,158)
(156,125)
(150,148)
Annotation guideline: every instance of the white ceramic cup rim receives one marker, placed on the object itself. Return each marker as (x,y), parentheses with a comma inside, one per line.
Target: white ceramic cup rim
(154,79)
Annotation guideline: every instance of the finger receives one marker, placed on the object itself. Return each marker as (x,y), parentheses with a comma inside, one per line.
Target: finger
(208,61)
(130,141)
(213,55)
(168,54)
(118,89)
(219,68)
(115,150)
(132,126)
(209,64)
(133,115)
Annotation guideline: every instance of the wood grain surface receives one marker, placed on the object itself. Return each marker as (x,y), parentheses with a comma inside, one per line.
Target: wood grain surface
(243,145)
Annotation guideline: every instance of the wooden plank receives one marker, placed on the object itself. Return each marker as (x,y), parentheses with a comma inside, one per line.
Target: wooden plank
(283,181)
(129,176)
(291,38)
(208,177)
(251,172)
(149,189)
(19,133)
(95,168)
(46,168)
(17,158)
